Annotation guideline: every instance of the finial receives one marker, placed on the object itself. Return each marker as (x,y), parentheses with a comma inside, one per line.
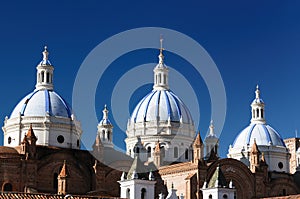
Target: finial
(45,53)
(161,56)
(161,44)
(211,128)
(105,112)
(257,92)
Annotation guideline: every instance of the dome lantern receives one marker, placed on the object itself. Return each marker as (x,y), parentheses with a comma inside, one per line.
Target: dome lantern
(161,72)
(44,79)
(258,109)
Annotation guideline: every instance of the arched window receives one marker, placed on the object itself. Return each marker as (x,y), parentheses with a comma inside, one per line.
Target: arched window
(186,154)
(284,192)
(108,135)
(7,187)
(225,196)
(165,77)
(159,78)
(42,74)
(149,151)
(210,196)
(143,193)
(262,113)
(175,152)
(128,193)
(47,77)
(162,151)
(103,135)
(78,143)
(257,113)
(55,184)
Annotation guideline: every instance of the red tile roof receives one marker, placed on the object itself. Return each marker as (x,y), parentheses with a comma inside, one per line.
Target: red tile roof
(11,195)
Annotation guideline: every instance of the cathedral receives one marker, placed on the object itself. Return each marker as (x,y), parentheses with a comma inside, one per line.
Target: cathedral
(165,157)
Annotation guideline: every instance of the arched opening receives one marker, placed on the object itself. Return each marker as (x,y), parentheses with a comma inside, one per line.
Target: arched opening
(129,152)
(103,135)
(143,193)
(47,78)
(149,151)
(162,151)
(55,182)
(175,152)
(108,135)
(186,154)
(262,113)
(165,77)
(284,192)
(257,113)
(78,143)
(128,193)
(159,78)
(42,74)
(225,196)
(7,187)
(210,196)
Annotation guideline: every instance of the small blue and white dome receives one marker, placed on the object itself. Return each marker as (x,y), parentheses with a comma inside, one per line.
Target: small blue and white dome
(262,133)
(161,115)
(49,114)
(267,139)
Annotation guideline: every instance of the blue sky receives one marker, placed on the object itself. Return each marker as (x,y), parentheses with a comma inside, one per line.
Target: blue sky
(251,42)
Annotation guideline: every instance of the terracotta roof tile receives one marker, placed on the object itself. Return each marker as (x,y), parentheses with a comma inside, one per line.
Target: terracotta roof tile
(12,195)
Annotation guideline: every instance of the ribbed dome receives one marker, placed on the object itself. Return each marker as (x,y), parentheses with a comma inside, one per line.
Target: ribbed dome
(162,104)
(262,133)
(41,103)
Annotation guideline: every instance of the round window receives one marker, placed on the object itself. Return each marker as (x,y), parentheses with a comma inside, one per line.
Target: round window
(280,165)
(60,139)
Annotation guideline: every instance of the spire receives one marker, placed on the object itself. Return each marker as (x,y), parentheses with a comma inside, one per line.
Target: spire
(258,109)
(64,171)
(218,179)
(44,79)
(161,71)
(254,148)
(198,141)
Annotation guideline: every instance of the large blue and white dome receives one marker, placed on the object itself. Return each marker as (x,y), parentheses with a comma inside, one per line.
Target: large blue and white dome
(42,103)
(47,112)
(161,115)
(268,141)
(162,104)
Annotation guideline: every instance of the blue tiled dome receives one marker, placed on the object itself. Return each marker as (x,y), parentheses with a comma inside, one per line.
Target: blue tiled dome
(262,133)
(41,103)
(162,104)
